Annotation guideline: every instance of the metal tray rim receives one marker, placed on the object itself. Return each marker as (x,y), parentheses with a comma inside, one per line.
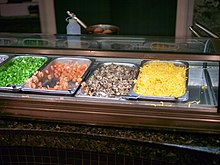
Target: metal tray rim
(184,97)
(71,91)
(17,87)
(79,92)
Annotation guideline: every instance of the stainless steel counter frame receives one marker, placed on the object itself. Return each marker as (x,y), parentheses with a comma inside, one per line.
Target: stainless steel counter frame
(197,118)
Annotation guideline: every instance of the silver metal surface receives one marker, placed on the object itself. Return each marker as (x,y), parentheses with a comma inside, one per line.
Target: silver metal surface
(185,97)
(16,87)
(196,77)
(214,75)
(80,22)
(80,93)
(53,80)
(206,30)
(194,32)
(3,58)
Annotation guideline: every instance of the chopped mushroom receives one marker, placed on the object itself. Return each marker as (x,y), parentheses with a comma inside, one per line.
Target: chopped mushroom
(111,80)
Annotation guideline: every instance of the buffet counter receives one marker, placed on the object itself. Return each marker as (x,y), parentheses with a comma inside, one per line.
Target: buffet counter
(39,141)
(142,128)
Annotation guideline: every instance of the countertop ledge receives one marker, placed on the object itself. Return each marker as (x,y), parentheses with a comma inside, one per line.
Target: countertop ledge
(208,142)
(165,146)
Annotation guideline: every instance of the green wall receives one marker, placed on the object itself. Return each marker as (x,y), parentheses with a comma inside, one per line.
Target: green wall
(134,17)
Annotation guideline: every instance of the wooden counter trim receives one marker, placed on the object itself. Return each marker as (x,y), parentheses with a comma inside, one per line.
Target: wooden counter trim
(76,110)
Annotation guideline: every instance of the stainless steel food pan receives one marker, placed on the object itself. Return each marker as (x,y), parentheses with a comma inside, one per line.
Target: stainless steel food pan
(10,74)
(50,81)
(101,76)
(184,97)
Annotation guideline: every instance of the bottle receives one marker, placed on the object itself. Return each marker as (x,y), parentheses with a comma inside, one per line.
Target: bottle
(73,30)
(73,27)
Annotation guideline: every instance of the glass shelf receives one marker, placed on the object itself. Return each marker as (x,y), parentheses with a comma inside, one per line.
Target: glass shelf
(109,42)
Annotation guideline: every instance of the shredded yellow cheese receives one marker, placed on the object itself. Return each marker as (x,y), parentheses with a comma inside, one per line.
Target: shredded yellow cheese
(192,102)
(164,79)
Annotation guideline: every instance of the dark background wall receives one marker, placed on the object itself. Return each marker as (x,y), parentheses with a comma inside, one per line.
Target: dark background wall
(208,14)
(11,19)
(134,17)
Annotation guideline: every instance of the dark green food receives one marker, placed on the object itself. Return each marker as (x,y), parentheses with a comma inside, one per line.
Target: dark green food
(19,69)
